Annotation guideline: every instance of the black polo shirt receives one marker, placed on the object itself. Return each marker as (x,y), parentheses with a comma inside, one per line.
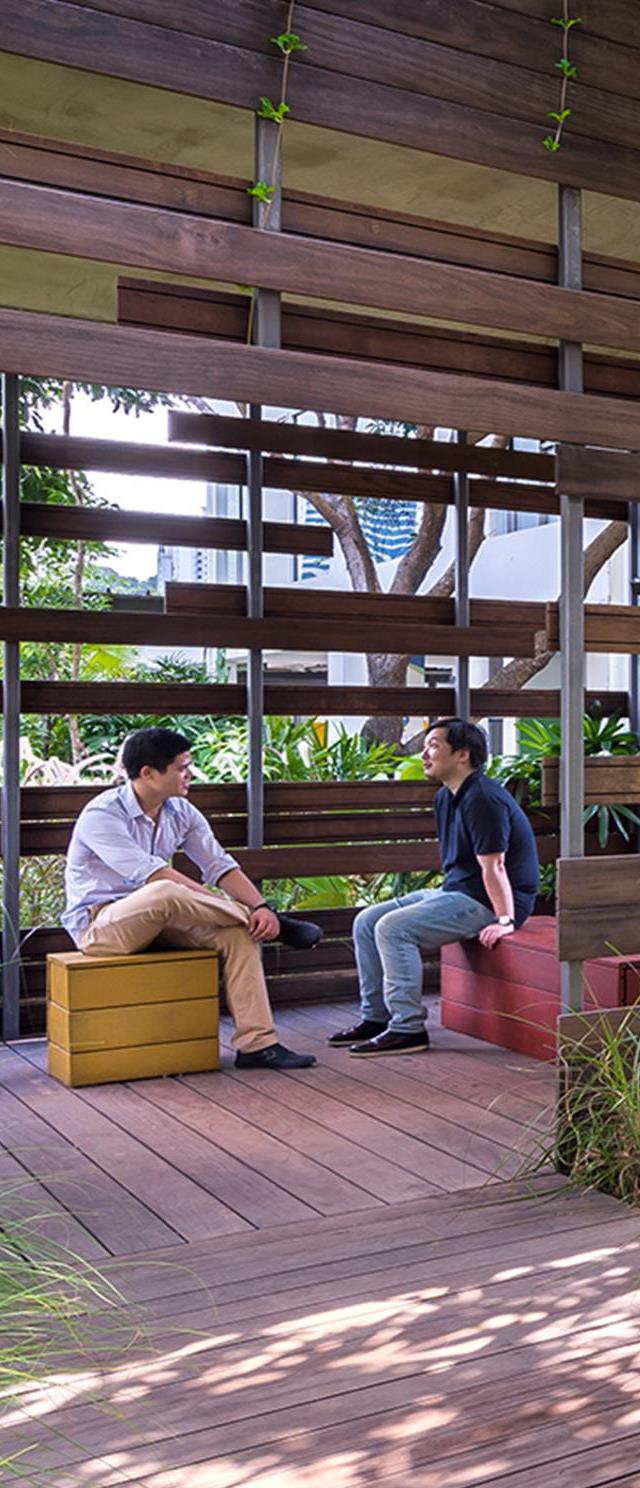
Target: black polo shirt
(482,817)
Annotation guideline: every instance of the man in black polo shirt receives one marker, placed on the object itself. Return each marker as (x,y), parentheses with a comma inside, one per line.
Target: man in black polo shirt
(490,867)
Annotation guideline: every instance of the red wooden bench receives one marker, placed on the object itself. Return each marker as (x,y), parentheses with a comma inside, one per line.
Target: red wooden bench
(511,995)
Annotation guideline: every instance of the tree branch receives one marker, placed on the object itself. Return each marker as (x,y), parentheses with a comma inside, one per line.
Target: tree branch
(522,668)
(446,585)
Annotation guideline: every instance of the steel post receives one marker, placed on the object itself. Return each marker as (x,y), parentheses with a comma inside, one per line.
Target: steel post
(572,660)
(266,331)
(462,608)
(10,836)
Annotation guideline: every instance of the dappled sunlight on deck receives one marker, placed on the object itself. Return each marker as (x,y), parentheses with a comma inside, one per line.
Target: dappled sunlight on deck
(462,1335)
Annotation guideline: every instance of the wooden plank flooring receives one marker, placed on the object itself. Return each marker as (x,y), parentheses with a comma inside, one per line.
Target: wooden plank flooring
(324,1279)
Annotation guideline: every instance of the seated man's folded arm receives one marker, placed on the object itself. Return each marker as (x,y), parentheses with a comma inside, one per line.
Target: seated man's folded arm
(496,882)
(200,844)
(489,833)
(108,838)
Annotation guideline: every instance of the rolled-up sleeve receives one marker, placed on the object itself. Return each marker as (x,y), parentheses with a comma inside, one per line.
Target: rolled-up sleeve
(202,846)
(109,839)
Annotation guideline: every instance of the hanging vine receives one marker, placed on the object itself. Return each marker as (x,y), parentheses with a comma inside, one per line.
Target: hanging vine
(569,74)
(288,42)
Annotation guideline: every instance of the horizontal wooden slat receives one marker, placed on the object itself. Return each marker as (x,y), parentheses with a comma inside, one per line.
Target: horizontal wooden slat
(44,218)
(60,346)
(312,862)
(74,452)
(58,452)
(613,473)
(66,163)
(346,604)
(608,779)
(430,62)
(284,700)
(128,698)
(66,801)
(114,524)
(278,474)
(617,21)
(345,444)
(44,838)
(353,333)
(228,699)
(598,907)
(131,628)
(598,884)
(614,628)
(193,64)
(306,476)
(513,31)
(51,839)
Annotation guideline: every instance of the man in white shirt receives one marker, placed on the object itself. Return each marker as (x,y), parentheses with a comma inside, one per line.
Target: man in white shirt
(122,895)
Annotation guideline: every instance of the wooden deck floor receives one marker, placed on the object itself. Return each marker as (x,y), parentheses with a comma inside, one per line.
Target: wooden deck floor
(325,1279)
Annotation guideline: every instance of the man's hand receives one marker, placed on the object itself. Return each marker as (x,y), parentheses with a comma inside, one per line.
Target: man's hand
(491,934)
(264,924)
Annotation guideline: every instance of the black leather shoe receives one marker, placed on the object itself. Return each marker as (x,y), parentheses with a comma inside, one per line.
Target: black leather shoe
(300,934)
(275,1057)
(392,1043)
(367,1029)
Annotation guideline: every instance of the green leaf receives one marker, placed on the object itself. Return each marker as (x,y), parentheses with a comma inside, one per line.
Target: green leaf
(288,42)
(567,67)
(262,191)
(565,25)
(551,143)
(268,110)
(559,118)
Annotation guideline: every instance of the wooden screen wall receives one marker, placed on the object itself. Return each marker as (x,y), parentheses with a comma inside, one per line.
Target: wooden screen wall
(469,80)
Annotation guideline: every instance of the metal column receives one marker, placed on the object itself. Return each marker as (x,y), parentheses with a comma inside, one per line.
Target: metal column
(462,608)
(572,595)
(266,331)
(11,715)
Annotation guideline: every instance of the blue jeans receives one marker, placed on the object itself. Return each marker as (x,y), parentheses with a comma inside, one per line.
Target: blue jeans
(389,940)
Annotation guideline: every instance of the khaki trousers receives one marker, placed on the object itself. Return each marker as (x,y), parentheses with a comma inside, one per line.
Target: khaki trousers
(171,915)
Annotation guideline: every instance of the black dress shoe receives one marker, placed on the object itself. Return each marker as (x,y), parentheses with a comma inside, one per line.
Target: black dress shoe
(392,1043)
(367,1029)
(275,1057)
(300,934)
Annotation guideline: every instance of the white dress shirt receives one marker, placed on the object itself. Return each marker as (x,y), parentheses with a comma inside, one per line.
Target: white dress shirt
(115,847)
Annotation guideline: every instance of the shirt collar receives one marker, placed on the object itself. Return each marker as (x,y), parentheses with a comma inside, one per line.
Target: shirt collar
(131,802)
(466,785)
(133,807)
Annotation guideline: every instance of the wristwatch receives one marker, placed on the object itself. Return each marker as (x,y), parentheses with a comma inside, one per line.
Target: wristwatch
(505,920)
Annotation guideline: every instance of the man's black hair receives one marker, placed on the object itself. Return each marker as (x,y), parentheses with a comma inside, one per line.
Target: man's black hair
(156,747)
(460,734)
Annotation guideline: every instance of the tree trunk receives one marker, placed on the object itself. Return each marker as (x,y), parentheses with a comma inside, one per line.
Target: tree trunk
(385,671)
(445,586)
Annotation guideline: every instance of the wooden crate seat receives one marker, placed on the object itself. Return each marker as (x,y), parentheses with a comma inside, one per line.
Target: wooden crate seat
(131,1017)
(511,995)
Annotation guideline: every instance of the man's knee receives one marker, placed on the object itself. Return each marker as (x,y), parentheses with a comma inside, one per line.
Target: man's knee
(163,895)
(393,926)
(365,919)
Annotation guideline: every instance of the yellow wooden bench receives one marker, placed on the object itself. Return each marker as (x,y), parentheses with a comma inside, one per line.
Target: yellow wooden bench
(131,1017)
